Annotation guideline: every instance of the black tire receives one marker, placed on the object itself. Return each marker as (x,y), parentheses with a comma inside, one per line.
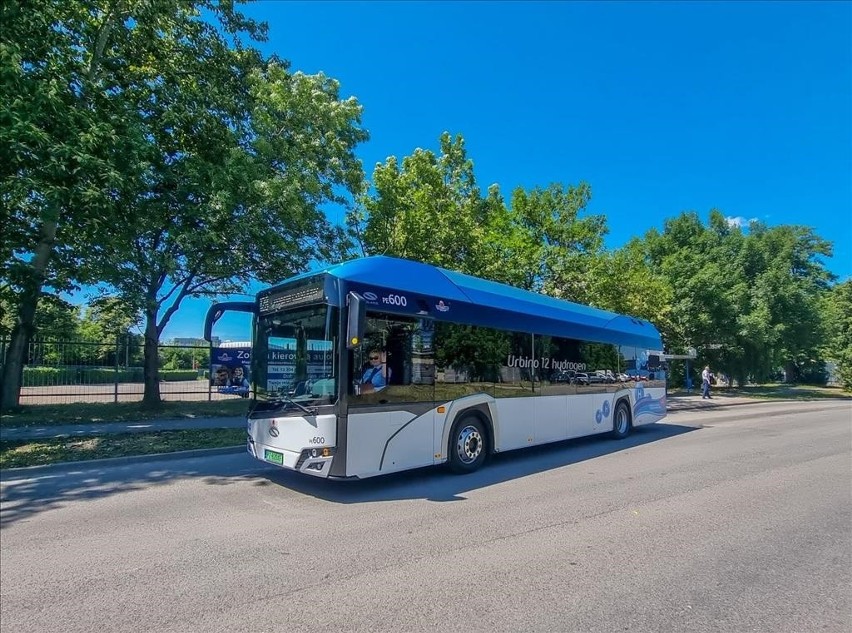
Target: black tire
(621,423)
(468,445)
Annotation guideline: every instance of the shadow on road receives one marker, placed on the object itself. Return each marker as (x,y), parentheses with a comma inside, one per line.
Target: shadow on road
(24,495)
(438,484)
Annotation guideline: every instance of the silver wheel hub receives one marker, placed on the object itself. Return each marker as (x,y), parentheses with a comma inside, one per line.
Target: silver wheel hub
(469,444)
(621,420)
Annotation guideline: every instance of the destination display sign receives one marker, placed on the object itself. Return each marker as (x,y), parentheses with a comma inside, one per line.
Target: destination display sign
(275,301)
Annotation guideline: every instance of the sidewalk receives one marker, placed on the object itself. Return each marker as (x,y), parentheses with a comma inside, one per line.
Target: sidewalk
(75,430)
(694,402)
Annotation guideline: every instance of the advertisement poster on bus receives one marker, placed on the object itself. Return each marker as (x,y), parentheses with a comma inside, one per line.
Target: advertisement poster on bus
(229,370)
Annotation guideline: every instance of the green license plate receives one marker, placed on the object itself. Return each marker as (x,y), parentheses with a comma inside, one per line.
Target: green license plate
(274,457)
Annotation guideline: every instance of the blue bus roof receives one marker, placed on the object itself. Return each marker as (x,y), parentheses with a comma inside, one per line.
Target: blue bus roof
(482,302)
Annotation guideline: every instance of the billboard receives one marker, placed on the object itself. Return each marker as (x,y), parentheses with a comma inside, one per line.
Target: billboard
(229,370)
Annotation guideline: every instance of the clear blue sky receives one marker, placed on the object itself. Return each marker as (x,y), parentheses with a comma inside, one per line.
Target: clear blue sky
(661,107)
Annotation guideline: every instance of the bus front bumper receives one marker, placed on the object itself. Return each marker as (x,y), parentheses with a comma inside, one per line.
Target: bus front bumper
(311,461)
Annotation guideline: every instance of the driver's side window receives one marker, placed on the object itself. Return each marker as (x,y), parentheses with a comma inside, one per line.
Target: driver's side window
(396,361)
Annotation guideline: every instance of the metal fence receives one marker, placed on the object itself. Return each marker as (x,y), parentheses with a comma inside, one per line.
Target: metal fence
(60,372)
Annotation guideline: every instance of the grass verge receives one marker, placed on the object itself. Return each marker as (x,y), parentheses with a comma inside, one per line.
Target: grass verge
(786,392)
(16,454)
(780,392)
(92,413)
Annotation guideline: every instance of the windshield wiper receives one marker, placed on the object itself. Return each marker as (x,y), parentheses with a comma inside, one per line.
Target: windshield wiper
(283,397)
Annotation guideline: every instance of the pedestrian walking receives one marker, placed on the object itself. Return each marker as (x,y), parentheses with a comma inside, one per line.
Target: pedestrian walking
(705,383)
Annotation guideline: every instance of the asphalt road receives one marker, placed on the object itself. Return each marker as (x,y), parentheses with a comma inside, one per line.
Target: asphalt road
(736,519)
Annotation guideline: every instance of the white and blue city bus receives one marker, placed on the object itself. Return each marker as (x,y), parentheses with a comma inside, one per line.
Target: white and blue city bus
(379,365)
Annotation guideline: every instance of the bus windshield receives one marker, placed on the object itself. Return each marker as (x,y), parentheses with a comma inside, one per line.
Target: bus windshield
(296,355)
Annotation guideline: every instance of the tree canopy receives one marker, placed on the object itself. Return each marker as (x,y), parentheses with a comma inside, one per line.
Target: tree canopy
(153,151)
(748,301)
(751,301)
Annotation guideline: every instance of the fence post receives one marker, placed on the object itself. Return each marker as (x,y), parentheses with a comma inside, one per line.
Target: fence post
(210,371)
(117,350)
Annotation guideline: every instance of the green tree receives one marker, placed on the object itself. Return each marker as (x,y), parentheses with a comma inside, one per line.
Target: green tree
(748,301)
(688,255)
(837,319)
(218,209)
(107,318)
(553,242)
(428,208)
(55,318)
(223,159)
(172,357)
(62,159)
(786,294)
(623,281)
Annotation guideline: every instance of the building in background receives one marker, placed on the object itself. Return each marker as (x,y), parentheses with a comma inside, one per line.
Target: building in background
(195,342)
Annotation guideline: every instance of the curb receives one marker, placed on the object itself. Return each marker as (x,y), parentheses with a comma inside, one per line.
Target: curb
(130,459)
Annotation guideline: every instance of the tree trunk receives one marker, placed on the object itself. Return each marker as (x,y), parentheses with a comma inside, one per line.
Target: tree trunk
(151,397)
(16,355)
(13,367)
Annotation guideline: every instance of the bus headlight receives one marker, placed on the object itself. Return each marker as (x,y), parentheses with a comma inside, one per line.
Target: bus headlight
(314,453)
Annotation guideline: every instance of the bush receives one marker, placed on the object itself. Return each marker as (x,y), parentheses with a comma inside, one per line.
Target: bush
(178,374)
(44,376)
(105,376)
(49,376)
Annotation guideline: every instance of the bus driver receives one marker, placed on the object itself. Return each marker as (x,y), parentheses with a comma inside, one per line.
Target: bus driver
(374,375)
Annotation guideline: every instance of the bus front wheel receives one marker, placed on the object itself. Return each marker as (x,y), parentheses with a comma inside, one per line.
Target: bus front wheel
(468,447)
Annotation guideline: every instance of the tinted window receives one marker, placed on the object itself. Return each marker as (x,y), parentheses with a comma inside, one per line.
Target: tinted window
(396,363)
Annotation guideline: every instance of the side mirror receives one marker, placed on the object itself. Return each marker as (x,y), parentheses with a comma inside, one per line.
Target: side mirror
(357,320)
(218,309)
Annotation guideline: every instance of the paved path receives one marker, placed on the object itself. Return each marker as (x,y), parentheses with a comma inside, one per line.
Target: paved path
(73,430)
(675,403)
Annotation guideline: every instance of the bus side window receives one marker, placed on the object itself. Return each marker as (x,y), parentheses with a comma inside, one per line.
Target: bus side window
(397,351)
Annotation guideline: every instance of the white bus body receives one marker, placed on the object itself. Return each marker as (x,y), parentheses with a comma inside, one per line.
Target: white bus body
(381,365)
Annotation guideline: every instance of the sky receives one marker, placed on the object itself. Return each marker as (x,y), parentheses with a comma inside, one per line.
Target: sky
(661,107)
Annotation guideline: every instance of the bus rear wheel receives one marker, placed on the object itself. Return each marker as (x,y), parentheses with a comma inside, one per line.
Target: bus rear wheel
(621,420)
(468,448)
